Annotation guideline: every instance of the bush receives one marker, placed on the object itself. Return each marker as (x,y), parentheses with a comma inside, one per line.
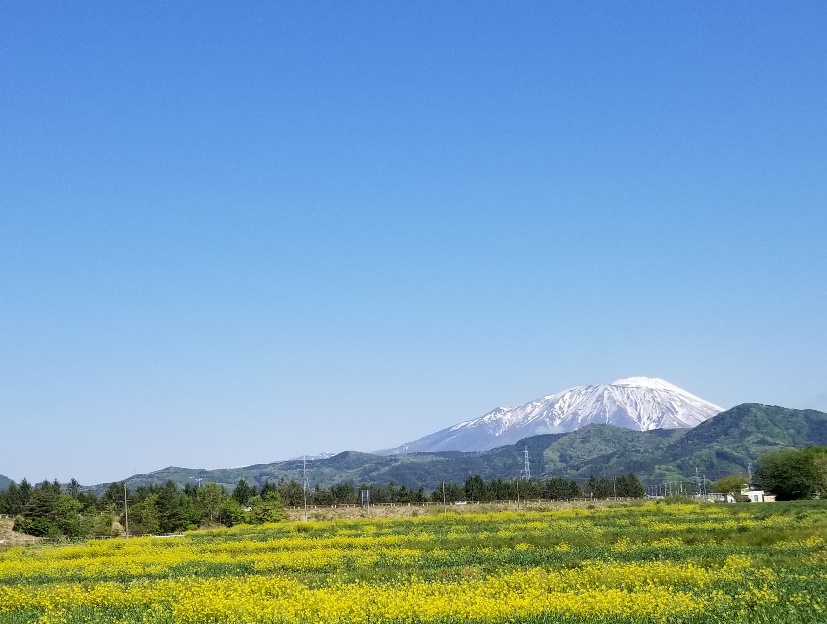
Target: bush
(39,527)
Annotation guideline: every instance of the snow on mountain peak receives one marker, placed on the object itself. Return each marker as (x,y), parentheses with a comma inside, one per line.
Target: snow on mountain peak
(653,383)
(640,403)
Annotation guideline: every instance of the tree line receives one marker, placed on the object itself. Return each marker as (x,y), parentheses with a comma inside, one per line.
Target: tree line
(475,489)
(794,474)
(50,509)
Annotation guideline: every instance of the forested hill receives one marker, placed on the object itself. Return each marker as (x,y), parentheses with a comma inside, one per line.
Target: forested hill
(4,482)
(746,432)
(720,446)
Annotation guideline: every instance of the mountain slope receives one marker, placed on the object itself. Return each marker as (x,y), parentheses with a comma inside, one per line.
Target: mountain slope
(595,449)
(4,482)
(722,445)
(744,433)
(638,403)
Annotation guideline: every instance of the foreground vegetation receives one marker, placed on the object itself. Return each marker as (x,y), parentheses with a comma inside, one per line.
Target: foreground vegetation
(658,563)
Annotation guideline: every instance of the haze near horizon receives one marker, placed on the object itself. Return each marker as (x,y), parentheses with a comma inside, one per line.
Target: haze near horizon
(235,234)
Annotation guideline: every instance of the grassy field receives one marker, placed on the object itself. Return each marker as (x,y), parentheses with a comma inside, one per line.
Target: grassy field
(646,563)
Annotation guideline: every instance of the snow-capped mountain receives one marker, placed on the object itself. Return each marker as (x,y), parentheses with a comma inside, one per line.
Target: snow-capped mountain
(640,403)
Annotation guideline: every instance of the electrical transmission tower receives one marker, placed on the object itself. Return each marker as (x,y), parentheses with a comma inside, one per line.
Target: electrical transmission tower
(527,467)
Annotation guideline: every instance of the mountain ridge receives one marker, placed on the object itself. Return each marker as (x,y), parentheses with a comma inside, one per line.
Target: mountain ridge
(721,445)
(641,403)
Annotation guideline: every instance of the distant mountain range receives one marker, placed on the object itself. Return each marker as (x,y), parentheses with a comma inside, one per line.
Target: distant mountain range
(639,403)
(721,445)
(4,482)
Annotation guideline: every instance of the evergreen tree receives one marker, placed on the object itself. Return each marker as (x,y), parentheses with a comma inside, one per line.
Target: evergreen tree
(268,487)
(243,492)
(292,493)
(474,488)
(25,491)
(453,493)
(629,486)
(11,502)
(41,502)
(343,493)
(143,516)
(322,496)
(170,517)
(113,495)
(73,489)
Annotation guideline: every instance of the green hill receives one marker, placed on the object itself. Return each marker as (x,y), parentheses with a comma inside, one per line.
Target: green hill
(604,449)
(4,482)
(720,446)
(742,434)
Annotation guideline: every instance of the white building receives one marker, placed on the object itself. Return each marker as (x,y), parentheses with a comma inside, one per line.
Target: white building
(757,496)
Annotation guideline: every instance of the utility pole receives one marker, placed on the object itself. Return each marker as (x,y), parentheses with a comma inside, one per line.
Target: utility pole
(304,468)
(126,511)
(444,501)
(517,483)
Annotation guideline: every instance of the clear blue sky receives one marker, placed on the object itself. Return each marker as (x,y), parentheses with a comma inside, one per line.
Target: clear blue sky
(232,233)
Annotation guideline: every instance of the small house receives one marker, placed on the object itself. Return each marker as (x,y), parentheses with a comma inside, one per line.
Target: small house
(757,496)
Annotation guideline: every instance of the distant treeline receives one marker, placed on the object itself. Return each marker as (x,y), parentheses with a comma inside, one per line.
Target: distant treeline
(51,510)
(475,489)
(54,510)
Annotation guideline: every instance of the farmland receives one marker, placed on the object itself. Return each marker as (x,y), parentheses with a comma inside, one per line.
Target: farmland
(654,563)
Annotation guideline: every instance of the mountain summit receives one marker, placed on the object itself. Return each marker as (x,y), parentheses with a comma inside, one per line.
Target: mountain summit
(640,403)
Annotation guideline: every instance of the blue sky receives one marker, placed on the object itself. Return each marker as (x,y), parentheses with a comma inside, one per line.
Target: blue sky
(235,233)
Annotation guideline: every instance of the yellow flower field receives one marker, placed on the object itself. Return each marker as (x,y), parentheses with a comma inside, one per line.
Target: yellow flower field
(651,563)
